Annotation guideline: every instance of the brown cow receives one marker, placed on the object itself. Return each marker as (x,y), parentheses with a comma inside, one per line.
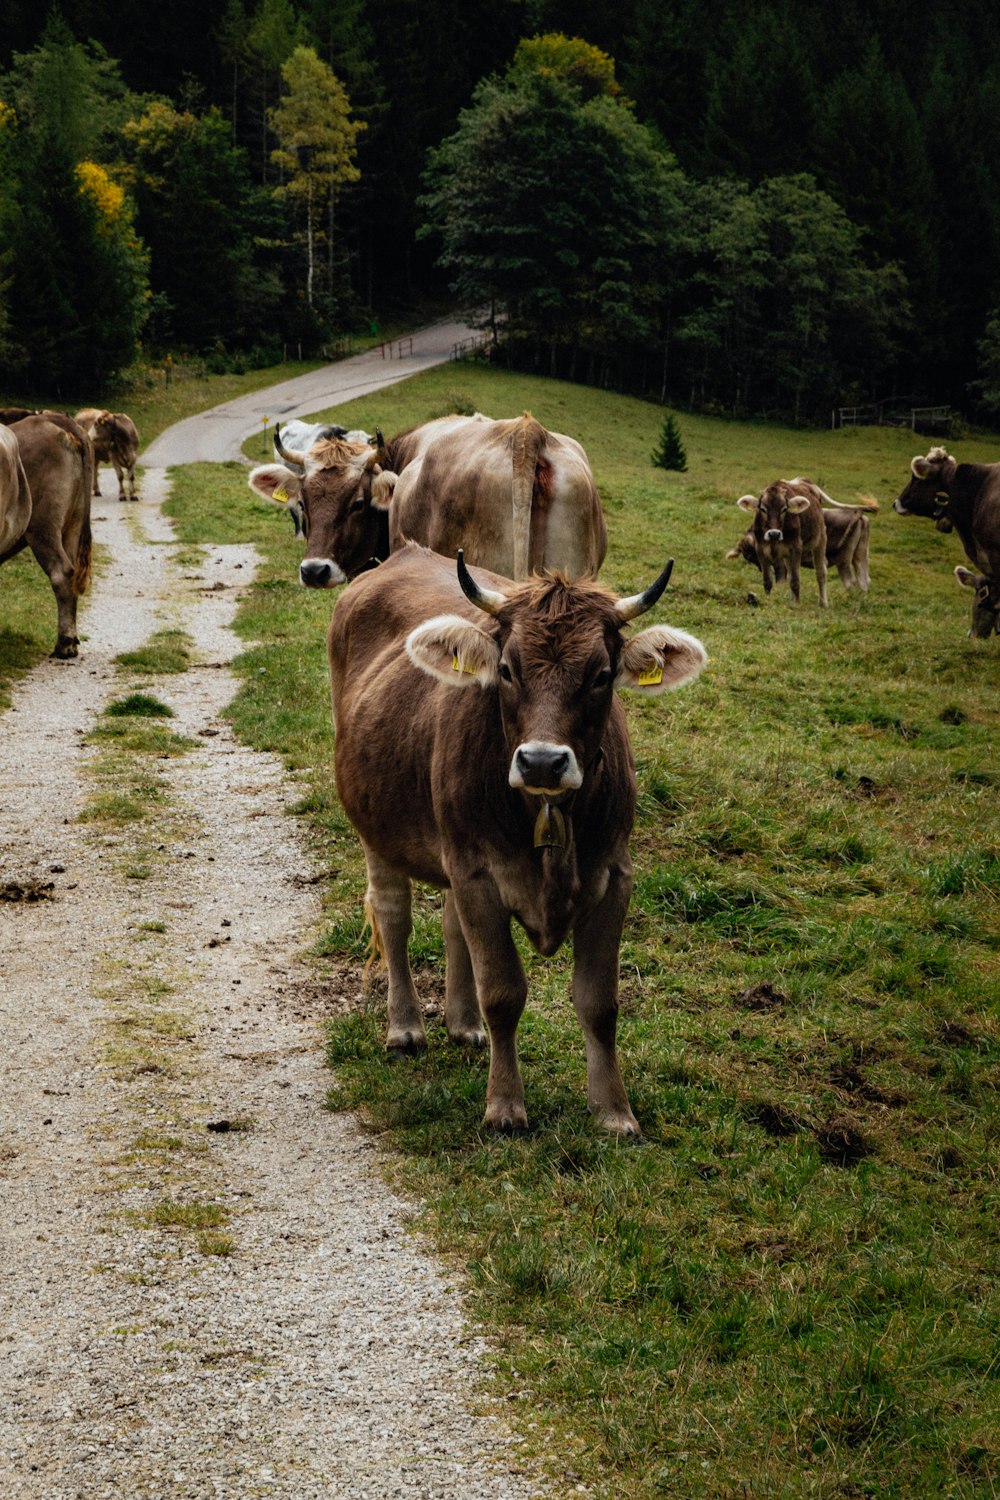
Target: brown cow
(966,497)
(788,524)
(15,496)
(480,747)
(116,442)
(846,547)
(517,498)
(58,461)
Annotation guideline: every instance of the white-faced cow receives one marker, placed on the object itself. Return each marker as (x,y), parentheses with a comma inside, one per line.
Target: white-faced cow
(116,442)
(966,497)
(846,546)
(481,747)
(58,462)
(518,498)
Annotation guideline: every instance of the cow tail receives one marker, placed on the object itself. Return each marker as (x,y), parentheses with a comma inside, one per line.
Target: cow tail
(81,569)
(865,502)
(528,439)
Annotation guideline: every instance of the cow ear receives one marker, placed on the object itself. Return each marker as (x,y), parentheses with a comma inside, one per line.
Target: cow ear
(747,502)
(276,483)
(660,658)
(966,579)
(919,467)
(454,651)
(797,503)
(383,484)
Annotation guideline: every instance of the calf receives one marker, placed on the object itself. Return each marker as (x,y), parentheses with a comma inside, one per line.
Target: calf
(480,747)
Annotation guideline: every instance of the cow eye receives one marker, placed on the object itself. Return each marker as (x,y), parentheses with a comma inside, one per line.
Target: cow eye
(358,504)
(602,679)
(505,672)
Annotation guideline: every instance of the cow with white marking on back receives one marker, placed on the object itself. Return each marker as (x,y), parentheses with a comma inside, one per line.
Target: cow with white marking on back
(516,497)
(966,497)
(481,748)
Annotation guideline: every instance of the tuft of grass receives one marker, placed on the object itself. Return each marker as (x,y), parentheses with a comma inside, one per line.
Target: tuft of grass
(198,1217)
(139,705)
(167,651)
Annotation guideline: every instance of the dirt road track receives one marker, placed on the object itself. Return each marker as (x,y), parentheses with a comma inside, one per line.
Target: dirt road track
(155,989)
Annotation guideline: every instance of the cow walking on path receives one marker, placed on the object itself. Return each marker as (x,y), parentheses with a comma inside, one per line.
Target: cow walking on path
(516,497)
(58,462)
(966,497)
(116,442)
(481,748)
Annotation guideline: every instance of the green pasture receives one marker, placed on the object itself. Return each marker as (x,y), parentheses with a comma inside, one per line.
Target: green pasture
(791,1288)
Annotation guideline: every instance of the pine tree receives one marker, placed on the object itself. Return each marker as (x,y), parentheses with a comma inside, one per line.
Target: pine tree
(670,454)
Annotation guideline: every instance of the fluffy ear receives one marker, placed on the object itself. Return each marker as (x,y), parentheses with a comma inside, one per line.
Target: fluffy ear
(919,467)
(276,483)
(383,484)
(797,503)
(454,651)
(747,502)
(660,658)
(966,579)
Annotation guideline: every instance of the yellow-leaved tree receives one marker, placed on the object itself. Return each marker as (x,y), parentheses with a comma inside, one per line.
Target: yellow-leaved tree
(317,147)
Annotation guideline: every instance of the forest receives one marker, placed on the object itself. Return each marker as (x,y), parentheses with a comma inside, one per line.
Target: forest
(767,211)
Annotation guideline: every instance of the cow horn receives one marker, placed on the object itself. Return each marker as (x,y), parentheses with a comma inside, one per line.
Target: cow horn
(380,445)
(487,599)
(637,604)
(288,454)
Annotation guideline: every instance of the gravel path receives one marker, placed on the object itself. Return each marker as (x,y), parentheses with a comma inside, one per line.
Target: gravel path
(187,1311)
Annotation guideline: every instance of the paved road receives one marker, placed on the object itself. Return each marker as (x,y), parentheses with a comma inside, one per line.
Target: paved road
(218,434)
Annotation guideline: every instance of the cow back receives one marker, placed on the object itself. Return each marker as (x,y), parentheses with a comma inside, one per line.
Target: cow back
(15,495)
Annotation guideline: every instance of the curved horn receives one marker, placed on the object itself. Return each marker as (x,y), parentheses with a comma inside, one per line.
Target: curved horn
(287,453)
(637,604)
(380,445)
(486,599)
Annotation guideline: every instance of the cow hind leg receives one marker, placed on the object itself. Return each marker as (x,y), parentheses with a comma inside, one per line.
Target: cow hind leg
(819,563)
(462,1015)
(59,570)
(388,905)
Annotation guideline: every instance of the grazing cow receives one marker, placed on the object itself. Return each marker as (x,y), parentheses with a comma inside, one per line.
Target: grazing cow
(15,496)
(516,497)
(58,461)
(480,747)
(985,603)
(116,442)
(846,547)
(966,497)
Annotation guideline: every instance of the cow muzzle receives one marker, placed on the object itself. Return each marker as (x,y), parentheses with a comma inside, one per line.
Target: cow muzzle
(773,536)
(320,573)
(544,769)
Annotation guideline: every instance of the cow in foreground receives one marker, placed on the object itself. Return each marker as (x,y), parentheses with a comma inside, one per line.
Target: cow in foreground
(481,748)
(966,497)
(58,462)
(846,547)
(116,442)
(516,497)
(15,496)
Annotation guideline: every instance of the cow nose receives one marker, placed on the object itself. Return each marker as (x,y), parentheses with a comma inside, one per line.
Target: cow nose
(319,573)
(543,767)
(772,536)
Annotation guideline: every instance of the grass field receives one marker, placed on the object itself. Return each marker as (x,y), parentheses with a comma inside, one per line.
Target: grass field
(791,1289)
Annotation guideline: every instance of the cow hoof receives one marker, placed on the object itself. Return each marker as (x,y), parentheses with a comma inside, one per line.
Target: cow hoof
(66,651)
(506,1121)
(473,1036)
(405,1044)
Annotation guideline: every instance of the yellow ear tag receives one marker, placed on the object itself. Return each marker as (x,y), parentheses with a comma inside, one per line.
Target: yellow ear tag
(652,677)
(458,666)
(281,494)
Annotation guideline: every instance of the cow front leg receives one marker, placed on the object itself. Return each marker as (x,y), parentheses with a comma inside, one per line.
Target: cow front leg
(388,906)
(596,942)
(503,990)
(462,1015)
(767,569)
